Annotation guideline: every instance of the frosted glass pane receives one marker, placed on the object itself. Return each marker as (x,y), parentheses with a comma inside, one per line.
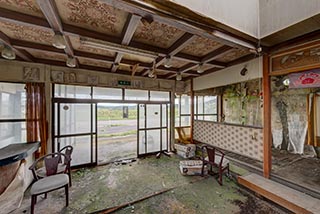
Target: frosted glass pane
(142,142)
(159,96)
(141,116)
(185,121)
(107,93)
(81,149)
(12,101)
(153,116)
(200,105)
(75,118)
(164,115)
(136,94)
(72,91)
(164,139)
(153,141)
(185,104)
(12,133)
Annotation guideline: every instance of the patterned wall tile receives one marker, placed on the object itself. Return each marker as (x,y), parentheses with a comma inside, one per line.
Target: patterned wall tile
(232,138)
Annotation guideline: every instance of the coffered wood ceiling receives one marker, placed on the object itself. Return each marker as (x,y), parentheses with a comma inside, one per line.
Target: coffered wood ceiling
(132,38)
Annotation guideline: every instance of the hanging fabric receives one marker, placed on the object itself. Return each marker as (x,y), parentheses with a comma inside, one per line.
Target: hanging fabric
(312,120)
(37,126)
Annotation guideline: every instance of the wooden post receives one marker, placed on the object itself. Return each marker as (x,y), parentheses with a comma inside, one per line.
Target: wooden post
(266,118)
(191,110)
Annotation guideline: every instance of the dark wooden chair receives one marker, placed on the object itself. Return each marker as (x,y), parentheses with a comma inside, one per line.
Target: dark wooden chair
(63,166)
(215,158)
(52,181)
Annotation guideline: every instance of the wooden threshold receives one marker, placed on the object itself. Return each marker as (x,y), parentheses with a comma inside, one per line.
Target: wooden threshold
(286,197)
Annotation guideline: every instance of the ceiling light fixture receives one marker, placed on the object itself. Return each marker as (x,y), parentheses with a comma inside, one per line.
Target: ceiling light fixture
(8,53)
(58,41)
(71,62)
(179,76)
(200,68)
(167,62)
(150,73)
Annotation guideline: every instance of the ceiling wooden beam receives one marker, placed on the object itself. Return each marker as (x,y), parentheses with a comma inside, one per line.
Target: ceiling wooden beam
(180,44)
(127,34)
(216,54)
(20,53)
(140,8)
(50,11)
(78,31)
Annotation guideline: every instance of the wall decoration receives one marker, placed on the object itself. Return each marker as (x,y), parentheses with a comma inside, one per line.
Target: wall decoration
(31,74)
(137,84)
(305,58)
(308,79)
(57,76)
(93,80)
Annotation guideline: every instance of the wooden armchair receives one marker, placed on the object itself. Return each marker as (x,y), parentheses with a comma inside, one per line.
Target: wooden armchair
(52,181)
(215,158)
(64,166)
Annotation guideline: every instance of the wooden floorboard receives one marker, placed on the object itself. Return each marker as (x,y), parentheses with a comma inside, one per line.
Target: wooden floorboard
(291,199)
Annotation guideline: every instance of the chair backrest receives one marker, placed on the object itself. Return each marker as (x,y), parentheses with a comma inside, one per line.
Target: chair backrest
(212,152)
(50,161)
(67,150)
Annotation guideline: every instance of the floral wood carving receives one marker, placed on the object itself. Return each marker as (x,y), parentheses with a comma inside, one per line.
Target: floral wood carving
(27,33)
(200,46)
(92,14)
(234,54)
(29,7)
(157,34)
(31,74)
(298,60)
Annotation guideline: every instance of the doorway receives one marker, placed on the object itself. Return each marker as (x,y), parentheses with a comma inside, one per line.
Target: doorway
(117,131)
(153,128)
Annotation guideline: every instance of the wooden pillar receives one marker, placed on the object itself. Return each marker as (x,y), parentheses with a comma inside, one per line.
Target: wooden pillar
(192,110)
(266,118)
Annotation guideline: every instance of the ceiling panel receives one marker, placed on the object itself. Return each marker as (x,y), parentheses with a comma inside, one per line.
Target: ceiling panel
(233,54)
(92,15)
(47,55)
(29,7)
(91,62)
(76,44)
(201,46)
(27,33)
(178,63)
(156,34)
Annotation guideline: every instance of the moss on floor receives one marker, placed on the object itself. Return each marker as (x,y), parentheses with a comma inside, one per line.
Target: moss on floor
(112,185)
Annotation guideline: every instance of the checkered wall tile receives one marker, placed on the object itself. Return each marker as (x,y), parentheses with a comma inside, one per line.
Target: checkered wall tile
(237,139)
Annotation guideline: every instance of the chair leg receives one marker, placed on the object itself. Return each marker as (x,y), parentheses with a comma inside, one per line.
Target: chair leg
(67,194)
(45,195)
(69,173)
(220,176)
(33,202)
(202,170)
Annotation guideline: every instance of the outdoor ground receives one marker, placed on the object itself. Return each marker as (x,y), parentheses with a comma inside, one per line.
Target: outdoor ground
(112,185)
